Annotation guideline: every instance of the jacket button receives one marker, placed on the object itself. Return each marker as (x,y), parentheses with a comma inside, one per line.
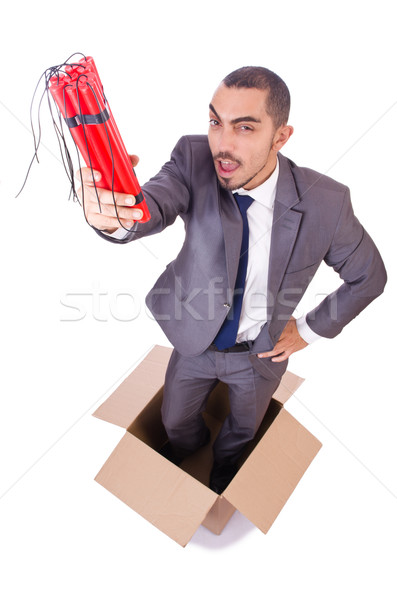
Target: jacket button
(226,305)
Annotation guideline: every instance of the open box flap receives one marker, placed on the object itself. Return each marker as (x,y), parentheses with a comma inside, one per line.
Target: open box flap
(288,385)
(270,474)
(134,393)
(137,389)
(169,498)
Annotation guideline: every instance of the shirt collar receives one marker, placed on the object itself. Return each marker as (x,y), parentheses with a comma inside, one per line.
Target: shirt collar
(265,193)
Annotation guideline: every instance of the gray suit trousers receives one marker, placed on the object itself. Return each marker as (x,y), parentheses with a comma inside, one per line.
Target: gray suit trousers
(188,384)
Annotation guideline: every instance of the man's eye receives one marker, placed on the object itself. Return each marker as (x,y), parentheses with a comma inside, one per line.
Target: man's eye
(214,122)
(245,128)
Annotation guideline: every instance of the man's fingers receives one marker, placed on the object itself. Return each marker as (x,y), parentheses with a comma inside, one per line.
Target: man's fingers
(287,345)
(267,354)
(122,212)
(134,159)
(106,222)
(106,197)
(281,357)
(278,354)
(87,176)
(278,348)
(105,209)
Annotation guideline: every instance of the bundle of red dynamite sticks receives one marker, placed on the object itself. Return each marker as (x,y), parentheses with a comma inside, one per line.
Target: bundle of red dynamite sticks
(78,93)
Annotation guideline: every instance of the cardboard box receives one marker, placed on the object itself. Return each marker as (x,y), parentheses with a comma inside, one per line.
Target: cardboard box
(177,500)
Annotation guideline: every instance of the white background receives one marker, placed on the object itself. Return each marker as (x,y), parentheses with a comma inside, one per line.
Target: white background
(61,534)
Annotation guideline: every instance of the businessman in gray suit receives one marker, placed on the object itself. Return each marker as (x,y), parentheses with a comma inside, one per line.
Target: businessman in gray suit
(257,229)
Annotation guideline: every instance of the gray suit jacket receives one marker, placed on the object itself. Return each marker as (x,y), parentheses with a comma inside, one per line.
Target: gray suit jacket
(313,221)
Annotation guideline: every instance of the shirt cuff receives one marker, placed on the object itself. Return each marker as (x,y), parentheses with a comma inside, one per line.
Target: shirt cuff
(306,333)
(119,234)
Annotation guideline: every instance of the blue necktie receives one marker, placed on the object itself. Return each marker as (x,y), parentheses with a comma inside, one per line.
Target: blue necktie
(227,334)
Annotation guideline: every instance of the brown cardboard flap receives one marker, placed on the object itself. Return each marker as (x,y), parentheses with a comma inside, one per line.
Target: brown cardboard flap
(169,498)
(133,394)
(270,474)
(219,515)
(288,385)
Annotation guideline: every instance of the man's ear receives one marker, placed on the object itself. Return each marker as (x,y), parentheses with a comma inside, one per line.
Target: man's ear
(282,136)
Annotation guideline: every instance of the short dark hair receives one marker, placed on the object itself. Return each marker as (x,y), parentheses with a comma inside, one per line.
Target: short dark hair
(260,78)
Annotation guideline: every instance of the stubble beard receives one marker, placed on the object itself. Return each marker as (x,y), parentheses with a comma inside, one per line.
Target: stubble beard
(227,185)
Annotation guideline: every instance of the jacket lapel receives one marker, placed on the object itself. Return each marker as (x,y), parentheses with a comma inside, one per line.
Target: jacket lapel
(285,228)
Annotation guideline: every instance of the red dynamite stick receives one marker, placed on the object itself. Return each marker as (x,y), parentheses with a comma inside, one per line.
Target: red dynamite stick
(100,156)
(123,167)
(89,139)
(84,143)
(106,153)
(96,83)
(79,97)
(66,107)
(90,67)
(64,94)
(125,170)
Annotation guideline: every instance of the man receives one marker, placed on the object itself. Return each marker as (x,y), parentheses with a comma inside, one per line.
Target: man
(257,228)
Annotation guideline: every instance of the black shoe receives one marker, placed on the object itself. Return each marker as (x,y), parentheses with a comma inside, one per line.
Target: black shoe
(169,453)
(177,456)
(221,476)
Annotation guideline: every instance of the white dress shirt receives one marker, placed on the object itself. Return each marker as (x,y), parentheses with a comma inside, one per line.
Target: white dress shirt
(260,219)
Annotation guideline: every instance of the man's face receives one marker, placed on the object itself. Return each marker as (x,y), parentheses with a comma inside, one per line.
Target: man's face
(242,137)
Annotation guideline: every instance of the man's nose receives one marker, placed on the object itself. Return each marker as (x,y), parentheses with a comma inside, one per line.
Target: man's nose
(226,141)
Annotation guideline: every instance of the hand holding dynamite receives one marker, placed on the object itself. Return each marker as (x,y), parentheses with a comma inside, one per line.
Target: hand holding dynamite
(109,178)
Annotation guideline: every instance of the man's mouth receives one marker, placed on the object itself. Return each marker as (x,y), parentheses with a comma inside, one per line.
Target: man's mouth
(226,168)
